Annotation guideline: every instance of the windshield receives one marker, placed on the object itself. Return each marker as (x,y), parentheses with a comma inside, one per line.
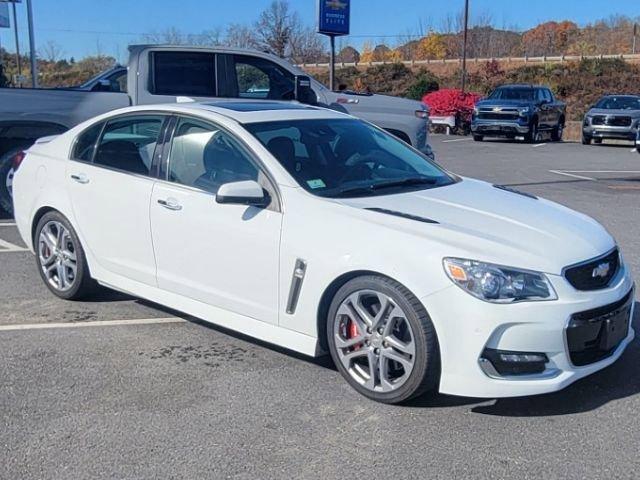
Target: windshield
(619,103)
(508,93)
(347,157)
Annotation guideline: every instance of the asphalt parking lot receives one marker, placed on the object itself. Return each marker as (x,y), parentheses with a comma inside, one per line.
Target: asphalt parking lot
(121,388)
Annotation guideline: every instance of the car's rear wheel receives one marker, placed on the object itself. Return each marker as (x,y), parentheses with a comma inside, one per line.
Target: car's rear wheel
(382,340)
(61,260)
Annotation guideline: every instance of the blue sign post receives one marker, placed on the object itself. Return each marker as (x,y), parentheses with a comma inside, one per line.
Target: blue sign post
(333,21)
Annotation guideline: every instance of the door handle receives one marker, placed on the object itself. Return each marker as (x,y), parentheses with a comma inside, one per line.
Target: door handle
(170,204)
(82,178)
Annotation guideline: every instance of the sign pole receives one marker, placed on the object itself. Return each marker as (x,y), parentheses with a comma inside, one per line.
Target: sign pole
(32,46)
(332,63)
(15,27)
(464,45)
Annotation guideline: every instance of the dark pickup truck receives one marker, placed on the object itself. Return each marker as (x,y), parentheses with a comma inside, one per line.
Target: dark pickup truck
(514,111)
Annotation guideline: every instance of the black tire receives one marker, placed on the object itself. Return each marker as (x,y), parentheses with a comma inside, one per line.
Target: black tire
(82,285)
(558,131)
(6,169)
(425,374)
(478,138)
(532,135)
(586,140)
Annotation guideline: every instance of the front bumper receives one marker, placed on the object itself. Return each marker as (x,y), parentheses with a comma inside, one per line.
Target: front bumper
(610,132)
(499,127)
(473,326)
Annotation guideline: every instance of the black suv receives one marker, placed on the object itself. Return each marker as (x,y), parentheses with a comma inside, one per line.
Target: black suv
(518,111)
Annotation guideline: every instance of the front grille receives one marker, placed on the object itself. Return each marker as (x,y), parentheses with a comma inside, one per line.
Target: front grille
(593,335)
(504,115)
(611,120)
(619,121)
(594,274)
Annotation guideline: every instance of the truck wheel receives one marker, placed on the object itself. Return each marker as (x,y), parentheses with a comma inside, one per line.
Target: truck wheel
(478,138)
(556,133)
(586,140)
(533,136)
(6,179)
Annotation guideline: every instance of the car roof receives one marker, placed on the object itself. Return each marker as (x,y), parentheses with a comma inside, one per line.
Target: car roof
(247,111)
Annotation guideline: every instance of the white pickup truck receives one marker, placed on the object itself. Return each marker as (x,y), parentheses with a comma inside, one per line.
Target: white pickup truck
(167,74)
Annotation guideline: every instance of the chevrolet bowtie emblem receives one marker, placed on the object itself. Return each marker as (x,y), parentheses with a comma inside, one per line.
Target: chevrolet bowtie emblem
(601,270)
(497,109)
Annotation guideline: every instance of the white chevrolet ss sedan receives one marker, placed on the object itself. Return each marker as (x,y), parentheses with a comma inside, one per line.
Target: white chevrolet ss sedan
(318,232)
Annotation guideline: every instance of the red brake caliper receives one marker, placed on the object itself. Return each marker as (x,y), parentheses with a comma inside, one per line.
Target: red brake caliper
(352,332)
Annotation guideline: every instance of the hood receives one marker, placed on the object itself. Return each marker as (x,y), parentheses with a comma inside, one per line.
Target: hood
(609,111)
(479,221)
(379,103)
(504,103)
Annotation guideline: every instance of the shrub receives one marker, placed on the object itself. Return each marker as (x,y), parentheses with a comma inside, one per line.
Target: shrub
(425,82)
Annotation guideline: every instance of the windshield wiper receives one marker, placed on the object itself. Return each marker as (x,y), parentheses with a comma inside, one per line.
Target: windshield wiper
(390,184)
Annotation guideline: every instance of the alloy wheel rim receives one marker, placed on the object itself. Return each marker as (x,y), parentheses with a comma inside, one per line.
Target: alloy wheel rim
(374,341)
(57,256)
(9,181)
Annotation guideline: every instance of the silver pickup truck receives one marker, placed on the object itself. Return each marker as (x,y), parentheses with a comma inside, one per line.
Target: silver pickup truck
(167,74)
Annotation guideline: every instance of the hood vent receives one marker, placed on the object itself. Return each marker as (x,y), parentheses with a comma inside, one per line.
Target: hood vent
(403,215)
(517,192)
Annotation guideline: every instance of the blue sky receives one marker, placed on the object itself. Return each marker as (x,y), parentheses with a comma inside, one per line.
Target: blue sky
(82,27)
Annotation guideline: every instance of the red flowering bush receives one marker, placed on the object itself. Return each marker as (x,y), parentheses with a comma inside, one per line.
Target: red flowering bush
(451,101)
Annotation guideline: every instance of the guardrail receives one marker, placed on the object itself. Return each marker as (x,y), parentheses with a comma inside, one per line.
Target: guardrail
(543,59)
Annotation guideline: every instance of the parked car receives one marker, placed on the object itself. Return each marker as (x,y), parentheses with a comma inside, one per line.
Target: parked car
(514,111)
(612,117)
(161,74)
(317,231)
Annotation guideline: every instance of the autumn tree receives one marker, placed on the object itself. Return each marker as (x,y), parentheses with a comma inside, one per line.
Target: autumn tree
(432,46)
(549,38)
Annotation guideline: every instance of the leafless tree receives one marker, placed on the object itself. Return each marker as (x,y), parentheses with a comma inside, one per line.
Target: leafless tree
(275,27)
(240,36)
(51,51)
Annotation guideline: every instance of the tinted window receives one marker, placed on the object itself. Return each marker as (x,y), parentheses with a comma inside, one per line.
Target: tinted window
(205,157)
(86,142)
(184,73)
(260,78)
(128,143)
(339,157)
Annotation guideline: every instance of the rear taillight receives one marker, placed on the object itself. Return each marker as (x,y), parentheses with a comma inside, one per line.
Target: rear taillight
(424,114)
(17,160)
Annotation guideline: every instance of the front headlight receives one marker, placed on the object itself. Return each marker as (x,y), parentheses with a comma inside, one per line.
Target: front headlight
(497,283)
(523,110)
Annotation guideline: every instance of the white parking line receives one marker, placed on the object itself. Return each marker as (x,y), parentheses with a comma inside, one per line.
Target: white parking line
(633,150)
(6,247)
(7,224)
(539,145)
(458,140)
(104,323)
(581,177)
(602,171)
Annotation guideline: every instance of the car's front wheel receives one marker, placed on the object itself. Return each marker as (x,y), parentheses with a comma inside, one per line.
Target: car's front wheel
(478,138)
(61,260)
(382,340)
(586,139)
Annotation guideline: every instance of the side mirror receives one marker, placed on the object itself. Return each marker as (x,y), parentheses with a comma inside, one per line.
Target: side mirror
(303,91)
(248,192)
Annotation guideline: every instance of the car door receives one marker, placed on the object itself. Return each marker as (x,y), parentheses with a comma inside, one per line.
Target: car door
(224,255)
(555,110)
(543,109)
(110,187)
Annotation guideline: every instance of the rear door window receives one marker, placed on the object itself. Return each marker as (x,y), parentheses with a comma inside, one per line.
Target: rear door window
(183,73)
(128,143)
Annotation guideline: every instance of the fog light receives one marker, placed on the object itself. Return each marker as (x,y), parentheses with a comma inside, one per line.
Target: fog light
(515,363)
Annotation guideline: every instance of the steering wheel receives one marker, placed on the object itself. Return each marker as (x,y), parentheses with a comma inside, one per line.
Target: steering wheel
(363,167)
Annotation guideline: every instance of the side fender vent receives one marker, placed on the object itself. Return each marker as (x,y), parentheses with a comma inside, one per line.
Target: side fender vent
(403,215)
